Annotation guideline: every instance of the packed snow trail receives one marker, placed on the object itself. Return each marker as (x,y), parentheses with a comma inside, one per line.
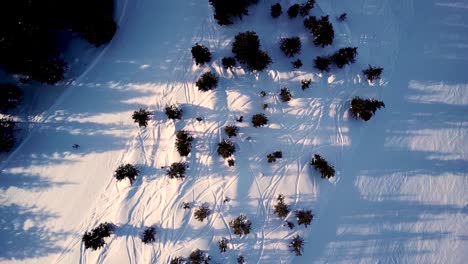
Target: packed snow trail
(399,195)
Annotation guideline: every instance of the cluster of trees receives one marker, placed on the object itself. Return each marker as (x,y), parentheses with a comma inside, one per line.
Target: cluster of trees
(196,257)
(94,239)
(226,10)
(320,164)
(128,171)
(33,31)
(246,47)
(321,30)
(364,108)
(340,58)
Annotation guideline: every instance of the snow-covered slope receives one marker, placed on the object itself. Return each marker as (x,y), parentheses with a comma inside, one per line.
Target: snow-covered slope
(400,191)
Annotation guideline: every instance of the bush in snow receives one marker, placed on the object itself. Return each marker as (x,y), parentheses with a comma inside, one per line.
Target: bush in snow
(231,131)
(186,205)
(281,208)
(296,245)
(344,56)
(173,112)
(7,135)
(199,257)
(246,47)
(126,171)
(290,46)
(322,63)
(148,235)
(95,238)
(226,148)
(305,8)
(240,260)
(202,212)
(342,17)
(304,217)
(321,29)
(177,260)
(223,245)
(208,81)
(285,95)
(141,117)
(305,83)
(240,225)
(320,164)
(293,10)
(259,120)
(273,156)
(201,54)
(297,64)
(231,162)
(225,11)
(372,73)
(276,10)
(183,143)
(228,62)
(177,170)
(364,108)
(10,97)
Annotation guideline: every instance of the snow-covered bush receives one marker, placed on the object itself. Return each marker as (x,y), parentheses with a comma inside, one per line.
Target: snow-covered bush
(344,56)
(141,117)
(177,170)
(202,212)
(322,63)
(241,225)
(281,209)
(285,95)
(276,10)
(321,30)
(201,54)
(364,108)
(228,62)
(183,143)
(372,73)
(173,112)
(208,81)
(293,10)
(223,245)
(246,47)
(128,171)
(226,148)
(231,131)
(199,257)
(95,238)
(7,134)
(10,96)
(259,120)
(320,164)
(148,235)
(304,217)
(290,46)
(296,245)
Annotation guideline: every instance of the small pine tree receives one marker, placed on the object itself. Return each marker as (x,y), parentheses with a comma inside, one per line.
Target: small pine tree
(326,170)
(202,212)
(305,8)
(173,112)
(126,171)
(344,56)
(281,208)
(201,54)
(223,245)
(177,170)
(199,257)
(285,95)
(293,10)
(228,62)
(290,46)
(231,131)
(296,245)
(322,63)
(241,225)
(183,143)
(7,134)
(342,17)
(305,83)
(372,73)
(259,120)
(148,235)
(297,64)
(10,96)
(141,117)
(186,205)
(276,10)
(364,108)
(240,260)
(231,162)
(95,238)
(208,81)
(304,217)
(225,11)
(263,94)
(290,224)
(226,148)
(321,29)
(264,106)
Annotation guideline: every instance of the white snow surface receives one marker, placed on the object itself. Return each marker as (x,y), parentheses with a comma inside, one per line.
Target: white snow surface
(400,193)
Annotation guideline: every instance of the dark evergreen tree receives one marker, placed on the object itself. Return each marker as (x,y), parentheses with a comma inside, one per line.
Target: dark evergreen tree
(228,62)
(241,225)
(10,96)
(290,46)
(344,56)
(173,112)
(321,30)
(148,235)
(226,148)
(246,48)
(208,81)
(364,108)
(322,63)
(240,260)
(199,257)
(223,245)
(293,10)
(305,83)
(326,170)
(306,7)
(259,62)
(177,170)
(296,245)
(183,143)
(372,73)
(7,135)
(95,238)
(225,11)
(259,120)
(281,208)
(272,157)
(202,212)
(201,54)
(231,162)
(128,171)
(276,10)
(141,117)
(297,64)
(231,131)
(304,217)
(285,95)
